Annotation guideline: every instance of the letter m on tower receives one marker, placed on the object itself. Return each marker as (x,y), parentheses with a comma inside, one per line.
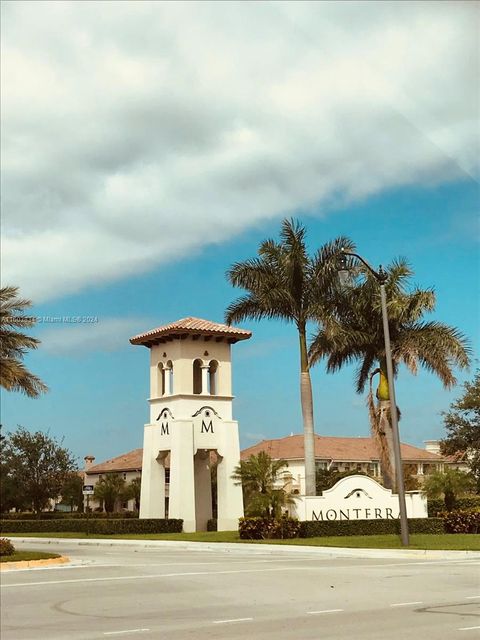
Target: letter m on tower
(206,428)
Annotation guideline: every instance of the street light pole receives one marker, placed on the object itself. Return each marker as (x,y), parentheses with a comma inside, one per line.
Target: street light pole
(381,278)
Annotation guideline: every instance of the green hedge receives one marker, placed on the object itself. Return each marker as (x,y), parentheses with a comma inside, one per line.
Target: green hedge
(68,515)
(93,525)
(316,528)
(462,504)
(267,528)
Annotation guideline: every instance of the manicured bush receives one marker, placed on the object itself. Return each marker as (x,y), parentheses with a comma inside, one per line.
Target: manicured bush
(62,515)
(268,528)
(6,547)
(437,505)
(320,528)
(462,521)
(93,525)
(212,524)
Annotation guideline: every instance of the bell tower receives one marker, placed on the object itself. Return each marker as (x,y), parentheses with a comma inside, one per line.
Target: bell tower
(191,424)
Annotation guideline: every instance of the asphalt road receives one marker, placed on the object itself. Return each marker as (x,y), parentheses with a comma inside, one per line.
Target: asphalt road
(183,594)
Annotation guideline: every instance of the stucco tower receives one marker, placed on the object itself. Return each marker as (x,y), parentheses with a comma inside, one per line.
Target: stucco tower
(190,416)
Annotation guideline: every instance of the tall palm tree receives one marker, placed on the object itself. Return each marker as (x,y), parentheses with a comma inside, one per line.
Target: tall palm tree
(14,344)
(284,282)
(354,333)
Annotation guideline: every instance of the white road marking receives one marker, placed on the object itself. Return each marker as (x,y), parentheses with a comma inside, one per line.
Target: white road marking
(405,604)
(472,597)
(147,576)
(325,611)
(233,620)
(116,633)
(468,628)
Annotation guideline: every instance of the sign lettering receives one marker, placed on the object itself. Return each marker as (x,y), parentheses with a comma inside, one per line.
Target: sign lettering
(207,428)
(164,429)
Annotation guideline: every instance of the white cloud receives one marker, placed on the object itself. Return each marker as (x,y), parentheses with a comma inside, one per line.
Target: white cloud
(136,132)
(79,338)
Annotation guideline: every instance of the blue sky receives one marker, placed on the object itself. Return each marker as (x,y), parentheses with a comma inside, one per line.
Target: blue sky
(145,152)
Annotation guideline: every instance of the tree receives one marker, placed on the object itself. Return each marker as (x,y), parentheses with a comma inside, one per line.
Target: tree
(259,475)
(14,376)
(285,283)
(450,484)
(462,423)
(109,490)
(132,492)
(354,333)
(37,464)
(72,491)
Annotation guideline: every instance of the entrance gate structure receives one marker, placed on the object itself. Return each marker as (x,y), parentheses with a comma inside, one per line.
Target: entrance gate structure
(190,416)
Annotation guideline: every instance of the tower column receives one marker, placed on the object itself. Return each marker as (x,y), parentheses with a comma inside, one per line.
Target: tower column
(205,369)
(167,374)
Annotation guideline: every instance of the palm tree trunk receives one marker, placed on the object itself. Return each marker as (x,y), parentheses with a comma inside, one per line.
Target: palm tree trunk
(385,432)
(306,399)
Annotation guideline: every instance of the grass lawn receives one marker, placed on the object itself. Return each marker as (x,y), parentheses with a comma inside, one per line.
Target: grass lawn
(417,541)
(28,555)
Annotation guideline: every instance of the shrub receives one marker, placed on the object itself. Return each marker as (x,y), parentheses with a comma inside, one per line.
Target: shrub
(462,521)
(212,524)
(6,547)
(436,506)
(106,526)
(311,529)
(268,528)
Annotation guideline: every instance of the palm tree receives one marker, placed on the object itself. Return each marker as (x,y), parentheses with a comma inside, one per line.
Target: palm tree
(451,485)
(259,476)
(14,376)
(109,490)
(132,492)
(354,333)
(285,283)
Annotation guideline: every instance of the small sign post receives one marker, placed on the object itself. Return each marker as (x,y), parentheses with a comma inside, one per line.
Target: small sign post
(88,490)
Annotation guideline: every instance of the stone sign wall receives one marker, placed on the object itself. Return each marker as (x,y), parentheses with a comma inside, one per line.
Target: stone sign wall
(357,498)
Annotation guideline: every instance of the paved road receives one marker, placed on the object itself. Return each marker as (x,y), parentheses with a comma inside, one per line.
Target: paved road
(184,594)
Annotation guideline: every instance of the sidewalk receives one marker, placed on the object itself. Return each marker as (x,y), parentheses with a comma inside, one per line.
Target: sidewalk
(274,549)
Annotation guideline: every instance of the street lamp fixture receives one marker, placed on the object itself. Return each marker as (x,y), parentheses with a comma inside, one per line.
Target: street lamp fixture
(381,277)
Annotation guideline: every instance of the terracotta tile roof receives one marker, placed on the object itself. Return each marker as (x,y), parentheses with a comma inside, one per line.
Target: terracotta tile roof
(191,326)
(332,448)
(125,462)
(290,448)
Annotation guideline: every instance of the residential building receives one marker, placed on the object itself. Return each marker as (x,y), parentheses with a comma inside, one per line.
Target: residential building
(335,453)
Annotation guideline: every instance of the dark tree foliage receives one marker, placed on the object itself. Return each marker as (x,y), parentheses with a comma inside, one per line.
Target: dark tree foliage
(36,466)
(72,491)
(462,423)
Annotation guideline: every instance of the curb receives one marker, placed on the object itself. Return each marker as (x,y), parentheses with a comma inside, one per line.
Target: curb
(232,547)
(31,564)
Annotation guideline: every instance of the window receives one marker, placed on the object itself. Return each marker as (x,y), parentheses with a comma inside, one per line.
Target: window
(124,476)
(161,379)
(197,376)
(212,377)
(169,373)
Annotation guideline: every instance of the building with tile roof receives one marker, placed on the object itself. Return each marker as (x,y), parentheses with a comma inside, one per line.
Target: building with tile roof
(336,453)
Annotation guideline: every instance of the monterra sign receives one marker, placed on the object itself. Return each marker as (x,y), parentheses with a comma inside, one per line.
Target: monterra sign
(357,498)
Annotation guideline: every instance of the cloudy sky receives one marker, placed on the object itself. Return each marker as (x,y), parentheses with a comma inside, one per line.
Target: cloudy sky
(147,145)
